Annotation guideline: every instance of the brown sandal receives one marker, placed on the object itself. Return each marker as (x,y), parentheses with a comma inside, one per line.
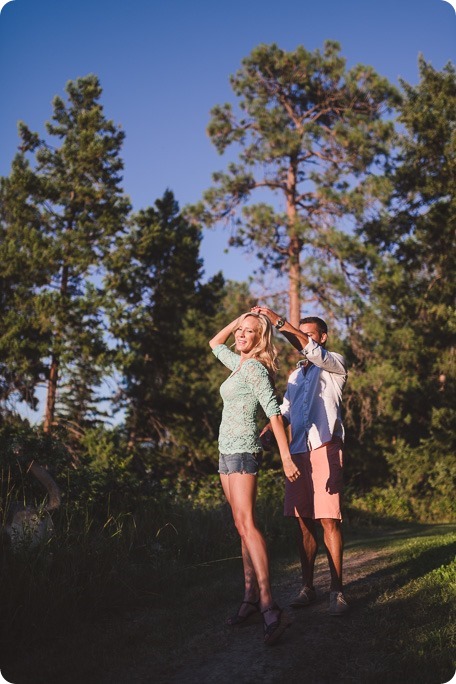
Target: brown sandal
(274,630)
(239,619)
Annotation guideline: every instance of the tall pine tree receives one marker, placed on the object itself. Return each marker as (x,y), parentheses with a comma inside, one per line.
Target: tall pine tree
(402,390)
(25,256)
(153,279)
(312,136)
(71,196)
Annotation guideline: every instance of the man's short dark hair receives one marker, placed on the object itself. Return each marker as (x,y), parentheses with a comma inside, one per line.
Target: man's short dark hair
(319,322)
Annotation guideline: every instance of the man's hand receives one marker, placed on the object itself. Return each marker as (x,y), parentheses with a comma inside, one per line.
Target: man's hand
(269,313)
(267,438)
(294,335)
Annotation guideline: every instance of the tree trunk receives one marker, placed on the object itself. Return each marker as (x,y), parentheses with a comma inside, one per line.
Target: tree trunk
(294,249)
(294,277)
(55,364)
(51,394)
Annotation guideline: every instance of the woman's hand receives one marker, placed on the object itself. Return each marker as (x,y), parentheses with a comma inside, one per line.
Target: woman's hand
(290,469)
(294,335)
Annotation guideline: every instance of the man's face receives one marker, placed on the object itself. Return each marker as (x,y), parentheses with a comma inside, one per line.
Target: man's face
(312,331)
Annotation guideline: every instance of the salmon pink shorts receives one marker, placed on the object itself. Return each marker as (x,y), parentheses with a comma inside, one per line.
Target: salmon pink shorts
(317,493)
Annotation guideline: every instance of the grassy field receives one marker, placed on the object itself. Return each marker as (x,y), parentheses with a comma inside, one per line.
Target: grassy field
(400,582)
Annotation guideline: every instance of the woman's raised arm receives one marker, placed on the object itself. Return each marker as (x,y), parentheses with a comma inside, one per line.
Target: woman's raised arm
(222,336)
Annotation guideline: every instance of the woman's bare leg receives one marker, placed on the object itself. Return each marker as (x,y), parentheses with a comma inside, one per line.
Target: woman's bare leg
(251,590)
(240,490)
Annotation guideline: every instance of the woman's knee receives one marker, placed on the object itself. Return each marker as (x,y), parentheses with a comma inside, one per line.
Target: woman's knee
(244,525)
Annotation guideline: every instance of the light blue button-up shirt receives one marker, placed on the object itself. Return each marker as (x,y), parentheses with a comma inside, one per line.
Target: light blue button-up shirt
(312,402)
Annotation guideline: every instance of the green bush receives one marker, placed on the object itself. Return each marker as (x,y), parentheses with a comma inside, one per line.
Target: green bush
(426,477)
(386,504)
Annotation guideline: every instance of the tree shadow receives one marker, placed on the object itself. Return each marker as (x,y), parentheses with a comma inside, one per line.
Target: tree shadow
(396,575)
(393,632)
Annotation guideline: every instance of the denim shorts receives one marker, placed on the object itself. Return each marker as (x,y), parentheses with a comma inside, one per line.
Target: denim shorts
(245,463)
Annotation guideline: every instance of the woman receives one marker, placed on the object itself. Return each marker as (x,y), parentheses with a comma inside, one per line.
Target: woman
(248,387)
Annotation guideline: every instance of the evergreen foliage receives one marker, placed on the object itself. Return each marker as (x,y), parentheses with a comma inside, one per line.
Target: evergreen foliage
(92,295)
(24,257)
(157,310)
(402,349)
(62,213)
(314,138)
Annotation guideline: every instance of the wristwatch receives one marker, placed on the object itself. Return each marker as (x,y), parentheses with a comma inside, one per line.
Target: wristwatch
(280,323)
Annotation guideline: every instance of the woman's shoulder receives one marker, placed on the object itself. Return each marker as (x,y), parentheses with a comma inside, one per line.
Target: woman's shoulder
(255,361)
(254,366)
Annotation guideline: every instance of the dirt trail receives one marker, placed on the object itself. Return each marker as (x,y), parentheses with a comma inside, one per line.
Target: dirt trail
(223,655)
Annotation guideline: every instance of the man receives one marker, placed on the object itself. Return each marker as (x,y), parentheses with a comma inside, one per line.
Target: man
(312,408)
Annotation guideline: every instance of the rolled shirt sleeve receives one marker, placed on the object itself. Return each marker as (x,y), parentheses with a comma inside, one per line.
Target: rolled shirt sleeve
(313,400)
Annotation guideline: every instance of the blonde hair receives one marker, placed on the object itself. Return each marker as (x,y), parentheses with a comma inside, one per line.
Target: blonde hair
(264,351)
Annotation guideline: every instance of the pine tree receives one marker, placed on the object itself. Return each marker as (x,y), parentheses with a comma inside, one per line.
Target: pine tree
(313,135)
(153,277)
(72,196)
(402,350)
(25,256)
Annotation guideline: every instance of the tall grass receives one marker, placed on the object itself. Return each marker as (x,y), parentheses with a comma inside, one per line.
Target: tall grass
(103,558)
(172,550)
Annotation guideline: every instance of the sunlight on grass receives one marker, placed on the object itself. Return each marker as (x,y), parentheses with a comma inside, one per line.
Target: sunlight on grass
(156,579)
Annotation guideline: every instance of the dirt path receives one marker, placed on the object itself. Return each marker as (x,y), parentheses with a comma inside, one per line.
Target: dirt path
(221,654)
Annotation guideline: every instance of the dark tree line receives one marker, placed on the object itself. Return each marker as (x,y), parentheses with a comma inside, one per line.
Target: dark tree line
(109,310)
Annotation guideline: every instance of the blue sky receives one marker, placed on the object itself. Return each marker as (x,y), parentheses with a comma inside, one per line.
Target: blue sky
(163,64)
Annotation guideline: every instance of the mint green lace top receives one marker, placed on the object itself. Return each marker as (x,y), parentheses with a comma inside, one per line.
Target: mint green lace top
(248,387)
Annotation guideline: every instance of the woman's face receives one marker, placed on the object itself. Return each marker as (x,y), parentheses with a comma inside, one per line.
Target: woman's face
(247,335)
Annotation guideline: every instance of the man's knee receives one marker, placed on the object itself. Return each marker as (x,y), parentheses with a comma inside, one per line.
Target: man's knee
(307,524)
(331,525)
(307,530)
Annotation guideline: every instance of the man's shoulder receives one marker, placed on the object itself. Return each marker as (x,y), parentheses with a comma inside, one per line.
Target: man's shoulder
(294,376)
